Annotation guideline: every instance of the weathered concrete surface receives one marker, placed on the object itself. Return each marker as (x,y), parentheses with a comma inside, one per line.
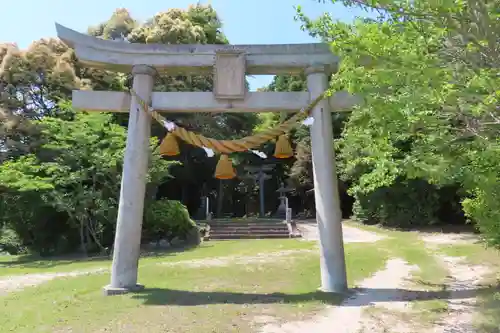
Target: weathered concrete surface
(103,101)
(133,188)
(199,59)
(328,213)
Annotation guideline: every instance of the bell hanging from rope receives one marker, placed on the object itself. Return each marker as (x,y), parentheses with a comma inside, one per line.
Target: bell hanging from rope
(283,148)
(169,146)
(224,169)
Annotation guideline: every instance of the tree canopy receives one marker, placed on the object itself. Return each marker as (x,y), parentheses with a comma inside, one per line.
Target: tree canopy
(428,73)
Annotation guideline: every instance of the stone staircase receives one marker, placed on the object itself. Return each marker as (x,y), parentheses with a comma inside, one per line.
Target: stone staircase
(223,230)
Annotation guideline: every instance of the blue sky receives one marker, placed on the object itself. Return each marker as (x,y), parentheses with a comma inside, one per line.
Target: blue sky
(245,22)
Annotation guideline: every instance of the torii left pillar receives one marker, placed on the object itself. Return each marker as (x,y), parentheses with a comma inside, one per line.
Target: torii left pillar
(126,250)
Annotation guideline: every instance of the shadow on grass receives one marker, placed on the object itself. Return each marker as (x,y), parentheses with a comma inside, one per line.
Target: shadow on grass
(160,296)
(357,297)
(35,261)
(489,310)
(467,229)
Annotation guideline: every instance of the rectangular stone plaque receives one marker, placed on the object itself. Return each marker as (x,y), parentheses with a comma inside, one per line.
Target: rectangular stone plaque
(229,74)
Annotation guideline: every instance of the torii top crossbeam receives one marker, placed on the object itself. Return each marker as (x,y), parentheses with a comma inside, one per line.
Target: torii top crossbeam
(228,63)
(194,59)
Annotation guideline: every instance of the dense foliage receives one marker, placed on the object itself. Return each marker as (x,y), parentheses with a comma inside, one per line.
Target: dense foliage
(167,219)
(65,192)
(428,73)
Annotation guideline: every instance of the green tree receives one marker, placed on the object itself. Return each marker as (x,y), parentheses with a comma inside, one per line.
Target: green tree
(431,98)
(76,172)
(30,82)
(469,33)
(300,168)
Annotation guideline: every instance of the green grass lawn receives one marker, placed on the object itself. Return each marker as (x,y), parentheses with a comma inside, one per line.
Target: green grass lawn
(15,265)
(229,298)
(185,299)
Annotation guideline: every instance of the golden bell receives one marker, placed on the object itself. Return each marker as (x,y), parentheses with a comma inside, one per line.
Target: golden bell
(169,146)
(283,148)
(224,169)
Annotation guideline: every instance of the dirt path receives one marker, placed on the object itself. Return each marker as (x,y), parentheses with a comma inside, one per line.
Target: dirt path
(461,283)
(378,290)
(436,239)
(389,290)
(18,282)
(309,232)
(260,258)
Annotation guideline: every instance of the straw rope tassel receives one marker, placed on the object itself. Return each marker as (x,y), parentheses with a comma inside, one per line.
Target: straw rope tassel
(169,146)
(283,148)
(224,168)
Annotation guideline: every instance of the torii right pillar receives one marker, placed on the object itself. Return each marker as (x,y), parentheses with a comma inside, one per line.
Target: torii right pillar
(328,213)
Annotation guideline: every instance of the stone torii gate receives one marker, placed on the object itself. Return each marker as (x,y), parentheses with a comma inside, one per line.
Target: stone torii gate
(228,64)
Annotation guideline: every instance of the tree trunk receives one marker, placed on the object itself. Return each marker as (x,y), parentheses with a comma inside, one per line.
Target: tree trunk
(91,232)
(83,246)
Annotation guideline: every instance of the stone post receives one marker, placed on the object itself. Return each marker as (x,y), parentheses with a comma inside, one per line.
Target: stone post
(288,217)
(328,213)
(133,187)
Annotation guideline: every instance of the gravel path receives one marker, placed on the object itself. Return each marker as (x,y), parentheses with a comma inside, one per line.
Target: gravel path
(378,290)
(388,290)
(18,282)
(260,258)
(463,277)
(432,239)
(351,234)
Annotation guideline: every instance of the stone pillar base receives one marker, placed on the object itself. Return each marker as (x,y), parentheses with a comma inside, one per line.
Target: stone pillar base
(340,291)
(111,291)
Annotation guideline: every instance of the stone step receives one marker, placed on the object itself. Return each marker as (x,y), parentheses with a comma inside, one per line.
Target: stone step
(253,229)
(279,227)
(226,232)
(245,231)
(250,233)
(242,232)
(276,226)
(263,224)
(220,230)
(248,236)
